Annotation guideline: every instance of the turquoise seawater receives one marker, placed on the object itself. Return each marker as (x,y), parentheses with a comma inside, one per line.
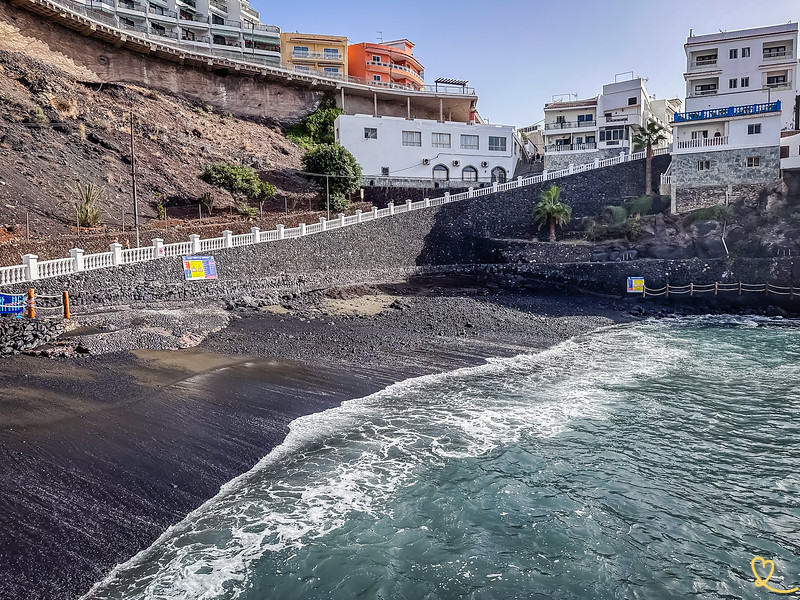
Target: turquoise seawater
(652,460)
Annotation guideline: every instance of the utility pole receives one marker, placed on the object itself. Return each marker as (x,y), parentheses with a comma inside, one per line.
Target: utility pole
(133,177)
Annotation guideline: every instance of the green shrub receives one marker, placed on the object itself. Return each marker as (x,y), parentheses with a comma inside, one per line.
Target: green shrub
(641,206)
(246,210)
(339,203)
(615,214)
(712,213)
(87,213)
(633,229)
(317,128)
(37,115)
(238,180)
(335,160)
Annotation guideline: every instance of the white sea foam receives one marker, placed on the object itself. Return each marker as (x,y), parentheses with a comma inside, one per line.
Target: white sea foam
(354,458)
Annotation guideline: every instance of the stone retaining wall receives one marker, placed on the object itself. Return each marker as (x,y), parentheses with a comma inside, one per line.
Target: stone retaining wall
(18,335)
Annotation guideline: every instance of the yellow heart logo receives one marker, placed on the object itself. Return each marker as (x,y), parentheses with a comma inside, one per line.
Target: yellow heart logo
(762,581)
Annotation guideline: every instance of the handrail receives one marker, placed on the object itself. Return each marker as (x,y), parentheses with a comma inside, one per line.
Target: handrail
(730,111)
(33,270)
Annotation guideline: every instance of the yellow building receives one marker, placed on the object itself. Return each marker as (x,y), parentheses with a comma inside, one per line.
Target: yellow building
(308,52)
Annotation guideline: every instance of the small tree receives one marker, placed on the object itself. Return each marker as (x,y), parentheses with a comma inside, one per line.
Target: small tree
(334,160)
(87,213)
(551,210)
(646,137)
(239,180)
(207,201)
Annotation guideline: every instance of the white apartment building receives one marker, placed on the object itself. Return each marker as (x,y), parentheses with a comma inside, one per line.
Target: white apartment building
(740,96)
(790,150)
(449,154)
(580,131)
(229,28)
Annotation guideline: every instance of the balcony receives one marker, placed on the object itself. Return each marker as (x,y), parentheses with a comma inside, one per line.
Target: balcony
(700,65)
(195,21)
(570,147)
(570,124)
(730,111)
(781,55)
(318,56)
(159,13)
(187,4)
(164,34)
(250,12)
(132,7)
(396,67)
(226,23)
(721,140)
(198,39)
(779,86)
(220,6)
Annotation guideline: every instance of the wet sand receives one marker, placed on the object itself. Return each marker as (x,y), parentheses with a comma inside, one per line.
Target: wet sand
(100,454)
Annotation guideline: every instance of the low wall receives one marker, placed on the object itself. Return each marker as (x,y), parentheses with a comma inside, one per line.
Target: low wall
(18,335)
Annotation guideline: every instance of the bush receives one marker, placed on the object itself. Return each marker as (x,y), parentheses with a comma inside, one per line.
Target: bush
(339,203)
(615,214)
(712,213)
(317,128)
(238,180)
(86,197)
(246,210)
(37,115)
(641,206)
(335,160)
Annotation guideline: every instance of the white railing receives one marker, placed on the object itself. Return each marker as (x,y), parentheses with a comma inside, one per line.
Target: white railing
(721,140)
(32,269)
(318,55)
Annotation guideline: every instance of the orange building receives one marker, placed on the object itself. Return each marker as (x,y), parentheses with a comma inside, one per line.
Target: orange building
(389,62)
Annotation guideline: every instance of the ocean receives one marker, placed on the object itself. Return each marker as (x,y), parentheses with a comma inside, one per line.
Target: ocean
(650,460)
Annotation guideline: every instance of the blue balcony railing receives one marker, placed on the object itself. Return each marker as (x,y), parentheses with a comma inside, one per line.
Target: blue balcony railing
(730,111)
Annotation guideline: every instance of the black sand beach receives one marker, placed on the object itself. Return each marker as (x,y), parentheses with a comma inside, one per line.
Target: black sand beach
(100,454)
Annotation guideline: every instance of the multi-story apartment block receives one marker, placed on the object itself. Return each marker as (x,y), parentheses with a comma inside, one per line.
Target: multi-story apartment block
(389,63)
(445,152)
(740,95)
(582,130)
(310,53)
(228,27)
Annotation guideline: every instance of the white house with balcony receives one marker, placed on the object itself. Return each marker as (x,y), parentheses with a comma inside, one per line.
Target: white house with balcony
(229,28)
(579,131)
(740,96)
(422,152)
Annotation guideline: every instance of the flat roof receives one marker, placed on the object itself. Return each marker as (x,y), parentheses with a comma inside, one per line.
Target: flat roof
(742,33)
(571,104)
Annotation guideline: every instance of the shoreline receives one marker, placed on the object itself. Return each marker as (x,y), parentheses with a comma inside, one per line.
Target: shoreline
(102,454)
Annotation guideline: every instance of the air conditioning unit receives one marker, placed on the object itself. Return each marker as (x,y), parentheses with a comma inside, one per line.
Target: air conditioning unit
(456,163)
(426,161)
(484,164)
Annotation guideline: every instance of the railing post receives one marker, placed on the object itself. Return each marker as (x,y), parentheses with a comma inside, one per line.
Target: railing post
(256,231)
(358,216)
(447,197)
(158,244)
(116,254)
(408,204)
(195,241)
(76,254)
(544,175)
(31,303)
(570,168)
(426,202)
(302,228)
(391,208)
(519,181)
(622,157)
(374,212)
(494,186)
(323,223)
(471,193)
(596,163)
(280,229)
(31,262)
(227,239)
(341,219)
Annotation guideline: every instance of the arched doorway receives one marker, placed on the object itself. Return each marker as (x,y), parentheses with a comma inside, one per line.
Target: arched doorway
(441,173)
(498,175)
(469,174)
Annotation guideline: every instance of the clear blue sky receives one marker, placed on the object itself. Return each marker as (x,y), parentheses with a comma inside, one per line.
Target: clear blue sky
(518,54)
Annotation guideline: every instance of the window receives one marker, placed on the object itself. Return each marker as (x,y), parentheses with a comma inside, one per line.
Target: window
(733,53)
(185,15)
(412,138)
(441,172)
(498,175)
(469,142)
(376,58)
(590,139)
(774,51)
(745,82)
(746,52)
(754,129)
(612,134)
(784,151)
(753,161)
(128,22)
(331,53)
(302,69)
(633,101)
(732,83)
(497,144)
(370,133)
(579,140)
(385,171)
(376,78)
(300,52)
(585,118)
(703,165)
(706,59)
(189,36)
(708,88)
(700,134)
(440,140)
(469,174)
(776,80)
(216,20)
(561,119)
(330,69)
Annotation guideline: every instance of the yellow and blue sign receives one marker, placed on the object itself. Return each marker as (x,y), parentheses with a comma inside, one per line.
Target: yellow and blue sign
(199,267)
(12,304)
(635,285)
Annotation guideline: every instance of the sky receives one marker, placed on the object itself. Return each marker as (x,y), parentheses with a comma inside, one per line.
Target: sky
(518,54)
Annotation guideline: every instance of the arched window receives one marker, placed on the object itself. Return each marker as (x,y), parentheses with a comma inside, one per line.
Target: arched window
(469,174)
(498,175)
(441,172)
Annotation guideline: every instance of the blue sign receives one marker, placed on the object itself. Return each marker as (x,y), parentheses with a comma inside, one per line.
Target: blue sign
(12,304)
(199,267)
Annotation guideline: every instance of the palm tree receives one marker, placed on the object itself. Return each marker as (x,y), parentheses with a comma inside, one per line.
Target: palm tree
(551,210)
(649,136)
